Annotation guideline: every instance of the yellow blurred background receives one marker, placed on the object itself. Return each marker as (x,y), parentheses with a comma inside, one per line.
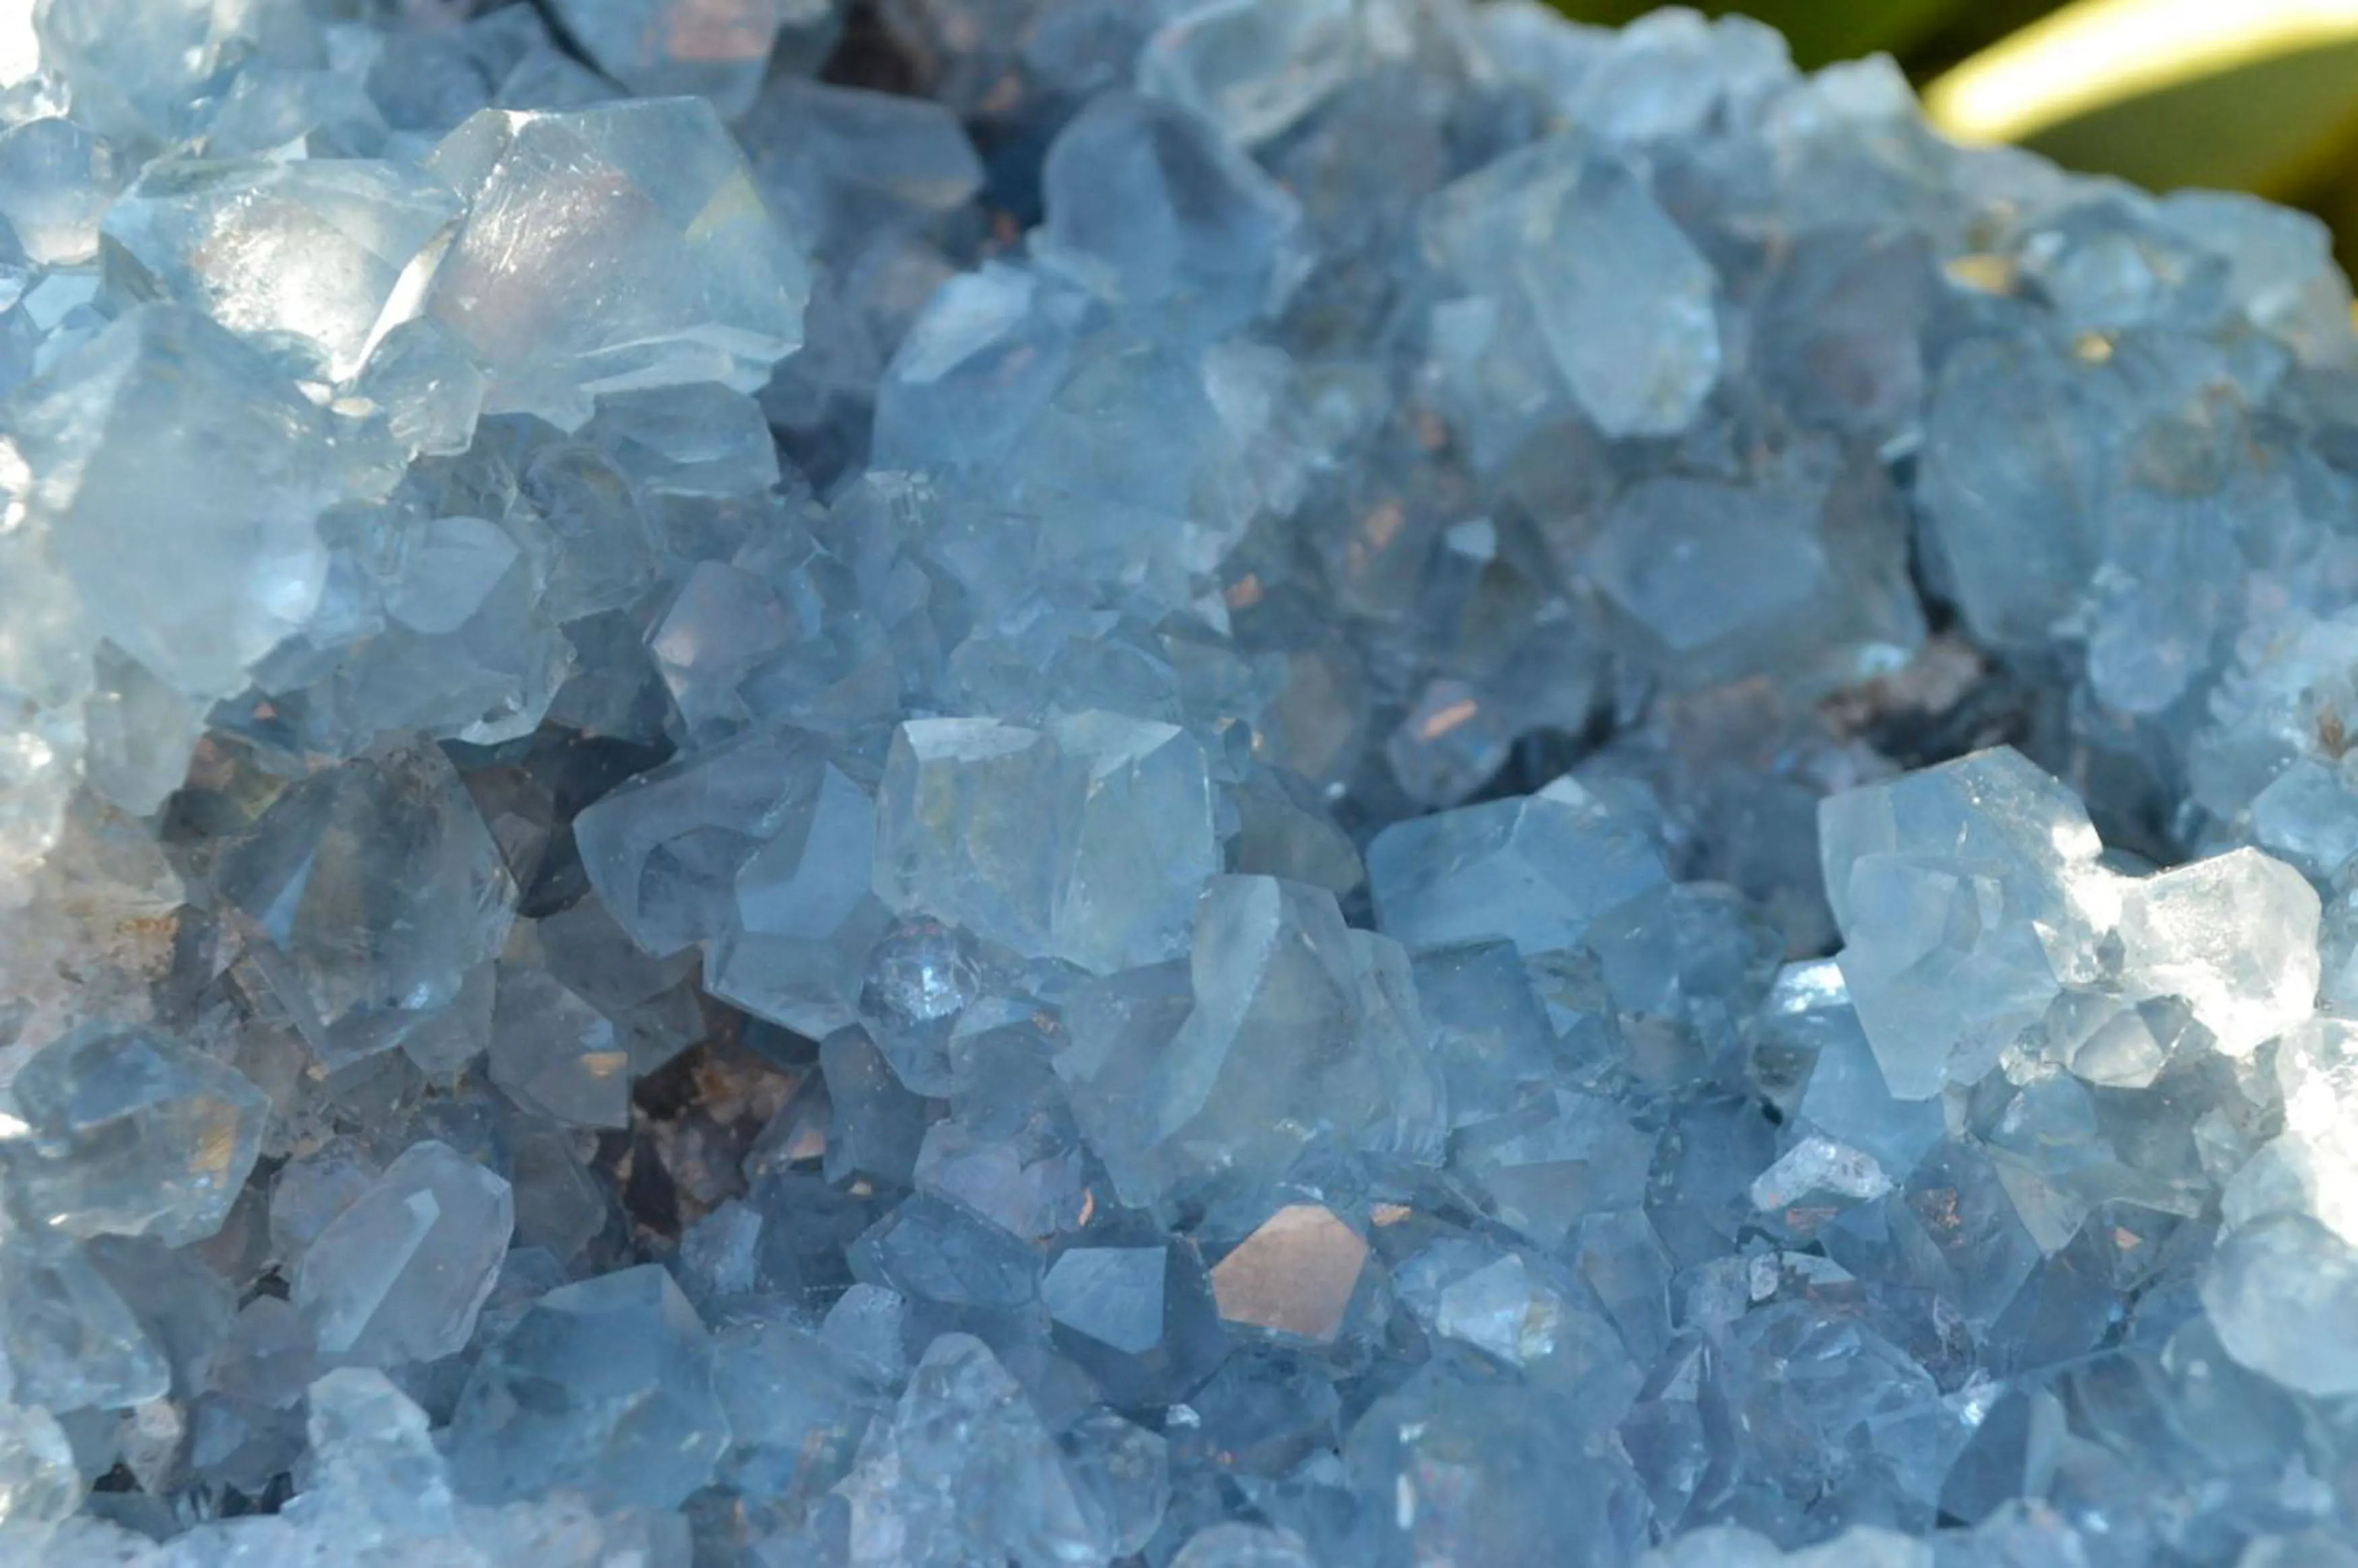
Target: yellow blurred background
(2257,95)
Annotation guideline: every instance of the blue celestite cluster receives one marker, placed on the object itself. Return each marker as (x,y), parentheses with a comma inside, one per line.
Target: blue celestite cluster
(1053,783)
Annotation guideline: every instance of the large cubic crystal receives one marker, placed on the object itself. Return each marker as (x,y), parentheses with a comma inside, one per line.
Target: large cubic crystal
(1969,894)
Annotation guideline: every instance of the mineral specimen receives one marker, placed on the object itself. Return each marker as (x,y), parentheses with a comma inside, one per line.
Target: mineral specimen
(1200,784)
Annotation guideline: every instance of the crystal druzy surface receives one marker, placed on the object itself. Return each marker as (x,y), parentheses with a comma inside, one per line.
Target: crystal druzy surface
(1279,783)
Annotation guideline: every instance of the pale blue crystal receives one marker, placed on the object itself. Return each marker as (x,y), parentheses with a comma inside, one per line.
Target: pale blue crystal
(373,891)
(678,275)
(1287,1030)
(850,165)
(1251,68)
(56,180)
(401,1273)
(1533,872)
(71,1342)
(1151,211)
(606,1386)
(1085,841)
(997,1487)
(717,48)
(244,463)
(555,1054)
(125,1131)
(805,920)
(38,1486)
(665,851)
(337,251)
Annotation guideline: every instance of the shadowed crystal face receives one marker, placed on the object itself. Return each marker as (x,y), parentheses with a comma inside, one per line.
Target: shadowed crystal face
(1534,870)
(124,1131)
(612,248)
(1151,211)
(606,1386)
(373,890)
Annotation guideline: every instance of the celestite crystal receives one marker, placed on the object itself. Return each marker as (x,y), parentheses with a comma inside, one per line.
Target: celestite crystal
(672,272)
(606,1386)
(124,1131)
(399,1274)
(1215,784)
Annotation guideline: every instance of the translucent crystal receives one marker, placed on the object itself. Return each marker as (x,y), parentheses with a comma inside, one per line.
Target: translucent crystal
(2018,535)
(124,1131)
(269,1355)
(1251,68)
(338,251)
(605,1386)
(1489,1029)
(1083,842)
(878,1125)
(72,1342)
(244,463)
(995,1485)
(1847,1097)
(2279,1291)
(678,274)
(1286,1030)
(1533,872)
(140,734)
(805,917)
(1970,894)
(1579,248)
(1139,1320)
(2235,936)
(997,852)
(1150,210)
(400,1274)
(555,1054)
(56,182)
(665,851)
(797,1407)
(1556,1158)
(373,891)
(1242,1546)
(1480,1471)
(427,385)
(38,1484)
(269,109)
(849,165)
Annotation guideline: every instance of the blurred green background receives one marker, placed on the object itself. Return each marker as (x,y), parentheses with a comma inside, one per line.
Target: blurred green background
(2251,94)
